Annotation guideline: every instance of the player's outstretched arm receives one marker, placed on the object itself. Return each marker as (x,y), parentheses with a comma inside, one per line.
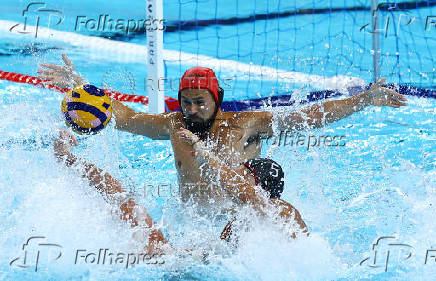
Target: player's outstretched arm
(129,211)
(330,111)
(320,114)
(154,126)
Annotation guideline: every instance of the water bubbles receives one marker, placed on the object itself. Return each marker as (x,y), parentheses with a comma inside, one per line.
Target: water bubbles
(119,79)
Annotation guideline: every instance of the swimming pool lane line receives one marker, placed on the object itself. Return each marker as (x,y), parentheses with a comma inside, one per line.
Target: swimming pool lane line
(170,103)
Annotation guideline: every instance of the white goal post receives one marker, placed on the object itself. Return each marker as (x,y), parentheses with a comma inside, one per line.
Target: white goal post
(155,66)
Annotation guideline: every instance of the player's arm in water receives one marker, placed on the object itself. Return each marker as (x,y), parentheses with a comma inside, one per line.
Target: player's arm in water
(320,114)
(154,126)
(131,212)
(240,183)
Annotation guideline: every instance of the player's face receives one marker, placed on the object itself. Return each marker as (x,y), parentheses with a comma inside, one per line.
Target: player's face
(197,105)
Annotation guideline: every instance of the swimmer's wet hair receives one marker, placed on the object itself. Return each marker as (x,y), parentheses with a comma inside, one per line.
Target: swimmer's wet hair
(268,174)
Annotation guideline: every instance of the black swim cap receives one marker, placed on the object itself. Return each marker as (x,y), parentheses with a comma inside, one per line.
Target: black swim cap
(268,174)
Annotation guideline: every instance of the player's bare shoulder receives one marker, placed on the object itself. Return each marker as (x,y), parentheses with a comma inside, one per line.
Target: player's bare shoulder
(245,119)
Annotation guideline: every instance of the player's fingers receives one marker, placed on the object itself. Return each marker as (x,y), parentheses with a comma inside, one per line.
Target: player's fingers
(67,61)
(403,103)
(73,140)
(388,91)
(393,94)
(52,66)
(48,78)
(62,134)
(398,99)
(185,138)
(379,83)
(398,104)
(45,71)
(184,132)
(47,83)
(67,136)
(181,136)
(399,96)
(44,77)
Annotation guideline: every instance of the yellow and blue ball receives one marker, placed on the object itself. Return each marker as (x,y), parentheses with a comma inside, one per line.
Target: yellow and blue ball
(87,109)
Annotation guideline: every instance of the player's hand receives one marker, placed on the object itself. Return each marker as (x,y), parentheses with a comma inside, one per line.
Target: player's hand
(63,76)
(200,153)
(187,136)
(62,144)
(381,96)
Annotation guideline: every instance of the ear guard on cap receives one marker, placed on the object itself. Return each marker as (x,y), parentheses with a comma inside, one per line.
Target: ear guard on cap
(220,96)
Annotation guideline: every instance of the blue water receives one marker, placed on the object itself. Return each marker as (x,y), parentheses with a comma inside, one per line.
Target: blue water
(381,183)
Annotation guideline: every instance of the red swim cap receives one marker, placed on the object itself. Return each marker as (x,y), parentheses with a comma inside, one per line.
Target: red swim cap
(200,78)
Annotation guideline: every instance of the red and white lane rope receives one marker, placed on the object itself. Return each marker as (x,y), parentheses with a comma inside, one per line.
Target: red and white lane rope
(171,103)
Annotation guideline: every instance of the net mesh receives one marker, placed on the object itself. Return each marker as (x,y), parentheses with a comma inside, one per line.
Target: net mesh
(258,48)
(327,40)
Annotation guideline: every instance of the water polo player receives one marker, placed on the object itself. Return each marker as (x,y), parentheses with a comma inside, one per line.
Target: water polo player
(235,136)
(239,183)
(246,183)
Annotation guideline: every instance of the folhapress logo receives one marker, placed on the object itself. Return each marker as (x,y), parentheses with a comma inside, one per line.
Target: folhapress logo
(34,16)
(34,250)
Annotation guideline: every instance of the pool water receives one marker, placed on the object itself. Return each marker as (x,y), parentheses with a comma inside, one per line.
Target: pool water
(381,183)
